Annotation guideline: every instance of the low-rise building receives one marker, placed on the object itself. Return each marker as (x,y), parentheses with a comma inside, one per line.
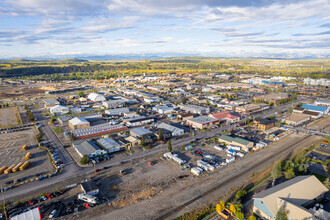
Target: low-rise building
(59,110)
(135,142)
(272,97)
(248,109)
(88,148)
(77,123)
(323,102)
(97,130)
(315,108)
(263,124)
(117,111)
(185,116)
(313,115)
(90,188)
(203,122)
(196,109)
(132,122)
(140,132)
(175,131)
(297,119)
(114,103)
(63,120)
(110,145)
(95,97)
(225,116)
(163,109)
(50,102)
(245,144)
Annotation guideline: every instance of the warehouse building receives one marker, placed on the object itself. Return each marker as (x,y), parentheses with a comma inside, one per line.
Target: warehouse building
(96,97)
(225,116)
(140,132)
(185,116)
(117,111)
(175,131)
(315,108)
(114,103)
(90,149)
(196,109)
(297,119)
(203,122)
(64,119)
(244,144)
(323,102)
(273,97)
(110,145)
(298,197)
(77,123)
(97,130)
(163,109)
(59,110)
(50,102)
(138,121)
(248,109)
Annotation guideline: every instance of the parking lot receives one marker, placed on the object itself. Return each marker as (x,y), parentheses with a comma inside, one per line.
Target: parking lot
(11,153)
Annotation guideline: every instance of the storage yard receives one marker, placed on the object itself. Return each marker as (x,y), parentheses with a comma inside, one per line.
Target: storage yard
(13,155)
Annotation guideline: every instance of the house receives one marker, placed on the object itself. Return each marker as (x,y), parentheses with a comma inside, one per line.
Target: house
(50,102)
(225,116)
(203,122)
(315,108)
(77,123)
(297,119)
(114,103)
(117,111)
(90,188)
(185,116)
(110,145)
(90,149)
(196,109)
(175,131)
(59,110)
(163,109)
(297,197)
(64,119)
(263,124)
(95,97)
(245,144)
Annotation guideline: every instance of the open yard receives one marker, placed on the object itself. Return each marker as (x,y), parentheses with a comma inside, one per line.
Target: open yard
(11,153)
(9,117)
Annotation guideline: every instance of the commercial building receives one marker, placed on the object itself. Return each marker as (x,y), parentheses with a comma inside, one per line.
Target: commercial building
(96,97)
(248,109)
(59,110)
(64,119)
(50,102)
(114,103)
(185,116)
(203,122)
(135,142)
(297,119)
(297,197)
(315,108)
(263,124)
(110,145)
(225,116)
(313,115)
(245,144)
(175,131)
(323,102)
(196,109)
(77,123)
(117,111)
(90,188)
(140,132)
(273,97)
(163,109)
(88,148)
(132,122)
(97,130)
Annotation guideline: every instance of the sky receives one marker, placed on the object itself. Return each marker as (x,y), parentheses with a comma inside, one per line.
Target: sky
(222,28)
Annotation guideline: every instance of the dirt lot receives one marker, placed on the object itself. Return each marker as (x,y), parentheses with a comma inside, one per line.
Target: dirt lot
(11,153)
(323,125)
(9,117)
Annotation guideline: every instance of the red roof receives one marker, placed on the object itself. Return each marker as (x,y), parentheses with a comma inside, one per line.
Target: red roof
(224,115)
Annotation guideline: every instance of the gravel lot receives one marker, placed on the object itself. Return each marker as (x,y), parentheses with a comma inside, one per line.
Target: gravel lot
(8,117)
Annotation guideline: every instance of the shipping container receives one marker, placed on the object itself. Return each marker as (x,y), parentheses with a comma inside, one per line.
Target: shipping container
(240,154)
(217,147)
(8,170)
(231,152)
(15,169)
(24,147)
(25,165)
(27,156)
(2,169)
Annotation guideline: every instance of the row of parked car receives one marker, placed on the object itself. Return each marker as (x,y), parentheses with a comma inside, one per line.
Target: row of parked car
(15,129)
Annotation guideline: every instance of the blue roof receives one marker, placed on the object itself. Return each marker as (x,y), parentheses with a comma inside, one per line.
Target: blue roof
(314,108)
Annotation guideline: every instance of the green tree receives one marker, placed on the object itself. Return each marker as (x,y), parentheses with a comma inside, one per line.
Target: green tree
(222,205)
(240,194)
(301,168)
(84,159)
(169,146)
(277,169)
(160,135)
(289,174)
(207,102)
(281,215)
(252,217)
(271,103)
(143,142)
(327,183)
(137,111)
(239,215)
(232,208)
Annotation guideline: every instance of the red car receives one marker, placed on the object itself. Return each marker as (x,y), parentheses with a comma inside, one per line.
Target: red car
(87,205)
(150,163)
(198,152)
(97,170)
(49,196)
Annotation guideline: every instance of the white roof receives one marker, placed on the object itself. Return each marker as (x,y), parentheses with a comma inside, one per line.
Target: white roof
(107,143)
(168,127)
(96,97)
(78,121)
(58,108)
(33,214)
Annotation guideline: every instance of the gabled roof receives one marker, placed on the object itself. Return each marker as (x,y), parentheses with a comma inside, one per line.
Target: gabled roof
(314,108)
(78,121)
(168,127)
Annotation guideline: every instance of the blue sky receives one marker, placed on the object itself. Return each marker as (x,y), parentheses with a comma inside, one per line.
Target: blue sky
(226,28)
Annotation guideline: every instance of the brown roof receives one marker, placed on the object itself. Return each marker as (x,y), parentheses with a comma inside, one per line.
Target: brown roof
(299,108)
(311,113)
(186,115)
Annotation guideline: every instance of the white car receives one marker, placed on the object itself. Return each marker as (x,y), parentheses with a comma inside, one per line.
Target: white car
(52,214)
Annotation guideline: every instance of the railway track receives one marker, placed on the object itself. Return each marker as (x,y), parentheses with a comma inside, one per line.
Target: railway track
(178,208)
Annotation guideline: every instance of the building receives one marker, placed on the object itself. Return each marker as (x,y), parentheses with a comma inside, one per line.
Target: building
(273,97)
(248,109)
(244,144)
(185,116)
(32,214)
(315,108)
(63,119)
(90,188)
(297,119)
(196,109)
(110,145)
(175,131)
(225,116)
(135,142)
(77,123)
(203,122)
(140,132)
(298,110)
(297,196)
(323,102)
(97,130)
(313,115)
(50,103)
(59,110)
(90,149)
(114,103)
(117,111)
(264,124)
(138,121)
(95,97)
(163,109)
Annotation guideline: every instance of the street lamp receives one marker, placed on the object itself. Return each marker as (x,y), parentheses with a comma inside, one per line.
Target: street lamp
(93,162)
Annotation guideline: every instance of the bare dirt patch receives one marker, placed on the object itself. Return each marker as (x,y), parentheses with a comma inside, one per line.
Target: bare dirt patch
(9,117)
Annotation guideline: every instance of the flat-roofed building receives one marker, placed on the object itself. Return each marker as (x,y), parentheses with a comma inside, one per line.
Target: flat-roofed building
(225,116)
(248,109)
(175,131)
(88,148)
(297,119)
(110,145)
(140,132)
(203,122)
(185,116)
(77,123)
(263,124)
(196,109)
(97,130)
(272,97)
(245,144)
(114,103)
(315,108)
(132,122)
(135,142)
(50,102)
(163,109)
(323,102)
(117,111)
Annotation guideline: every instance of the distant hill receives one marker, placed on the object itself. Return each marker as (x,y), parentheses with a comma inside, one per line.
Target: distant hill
(39,61)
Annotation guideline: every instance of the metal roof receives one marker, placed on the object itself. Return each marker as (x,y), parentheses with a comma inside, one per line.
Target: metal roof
(203,119)
(170,128)
(234,139)
(141,131)
(78,121)
(86,147)
(107,143)
(314,108)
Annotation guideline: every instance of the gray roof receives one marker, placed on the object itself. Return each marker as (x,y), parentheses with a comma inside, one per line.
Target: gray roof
(107,143)
(168,127)
(86,147)
(203,119)
(89,186)
(51,101)
(141,131)
(78,121)
(64,118)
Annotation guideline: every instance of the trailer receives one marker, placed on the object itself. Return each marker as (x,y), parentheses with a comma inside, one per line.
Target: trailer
(2,169)
(25,165)
(232,152)
(24,147)
(15,169)
(88,198)
(8,170)
(27,156)
(196,171)
(230,159)
(217,147)
(233,147)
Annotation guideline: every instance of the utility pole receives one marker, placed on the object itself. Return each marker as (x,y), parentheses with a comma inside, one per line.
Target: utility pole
(4,201)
